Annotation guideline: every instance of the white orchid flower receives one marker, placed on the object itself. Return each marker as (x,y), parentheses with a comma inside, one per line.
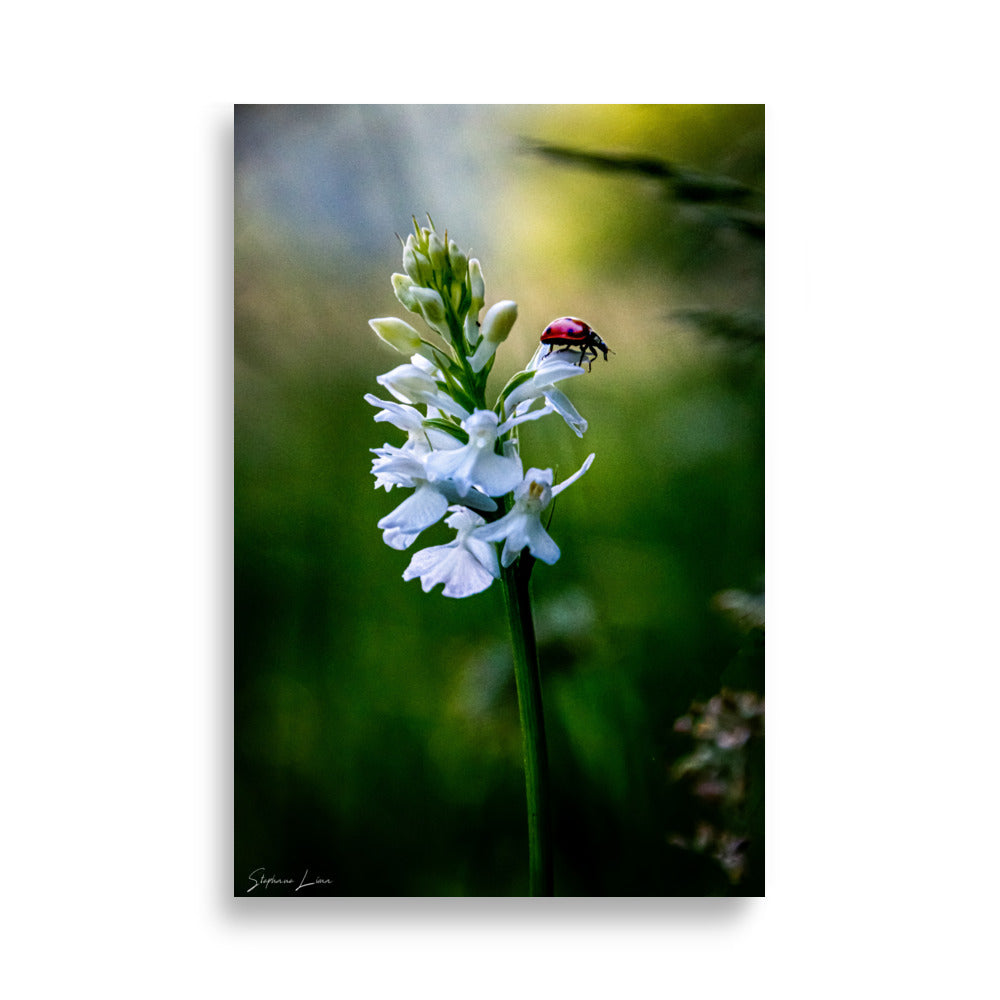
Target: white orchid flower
(521,527)
(465,566)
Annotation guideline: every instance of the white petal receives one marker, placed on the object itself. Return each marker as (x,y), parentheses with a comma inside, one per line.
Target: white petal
(468,577)
(559,402)
(430,564)
(540,384)
(453,565)
(478,500)
(485,554)
(483,352)
(518,538)
(392,412)
(512,528)
(461,517)
(497,530)
(522,417)
(554,369)
(455,465)
(409,384)
(418,511)
(495,474)
(422,363)
(469,467)
(541,351)
(520,529)
(400,466)
(398,539)
(556,490)
(540,544)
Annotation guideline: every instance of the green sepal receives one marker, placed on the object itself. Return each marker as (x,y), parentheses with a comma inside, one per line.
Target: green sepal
(516,381)
(449,428)
(454,388)
(441,358)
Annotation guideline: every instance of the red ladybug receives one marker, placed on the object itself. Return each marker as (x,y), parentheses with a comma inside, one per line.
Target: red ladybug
(570,334)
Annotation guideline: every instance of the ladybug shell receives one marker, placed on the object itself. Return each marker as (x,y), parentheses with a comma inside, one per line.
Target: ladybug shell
(567,330)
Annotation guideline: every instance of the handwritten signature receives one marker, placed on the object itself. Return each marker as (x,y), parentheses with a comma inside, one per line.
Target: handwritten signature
(259,878)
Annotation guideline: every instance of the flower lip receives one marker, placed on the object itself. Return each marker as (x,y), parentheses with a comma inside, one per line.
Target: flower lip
(466,565)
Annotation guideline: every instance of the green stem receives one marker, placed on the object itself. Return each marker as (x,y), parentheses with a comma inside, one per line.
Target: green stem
(529,698)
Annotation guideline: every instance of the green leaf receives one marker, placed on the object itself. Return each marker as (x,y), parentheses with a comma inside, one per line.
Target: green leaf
(745,327)
(516,381)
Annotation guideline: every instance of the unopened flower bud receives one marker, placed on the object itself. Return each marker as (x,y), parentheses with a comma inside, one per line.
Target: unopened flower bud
(431,306)
(402,286)
(499,320)
(437,252)
(459,262)
(416,265)
(397,333)
(497,324)
(477,289)
(476,284)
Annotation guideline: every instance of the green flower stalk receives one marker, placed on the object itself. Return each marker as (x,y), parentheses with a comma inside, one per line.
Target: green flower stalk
(462,462)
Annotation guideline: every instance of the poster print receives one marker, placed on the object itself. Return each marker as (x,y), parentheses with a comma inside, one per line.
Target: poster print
(499,500)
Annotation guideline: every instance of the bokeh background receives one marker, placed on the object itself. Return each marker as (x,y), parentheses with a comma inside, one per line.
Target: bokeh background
(376,727)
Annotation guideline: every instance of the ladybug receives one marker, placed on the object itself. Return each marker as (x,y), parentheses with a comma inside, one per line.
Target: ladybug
(571,334)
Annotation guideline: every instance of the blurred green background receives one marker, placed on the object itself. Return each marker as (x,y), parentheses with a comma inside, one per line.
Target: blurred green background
(376,727)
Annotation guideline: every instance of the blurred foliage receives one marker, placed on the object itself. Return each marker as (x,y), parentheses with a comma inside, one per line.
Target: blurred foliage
(722,198)
(376,727)
(723,776)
